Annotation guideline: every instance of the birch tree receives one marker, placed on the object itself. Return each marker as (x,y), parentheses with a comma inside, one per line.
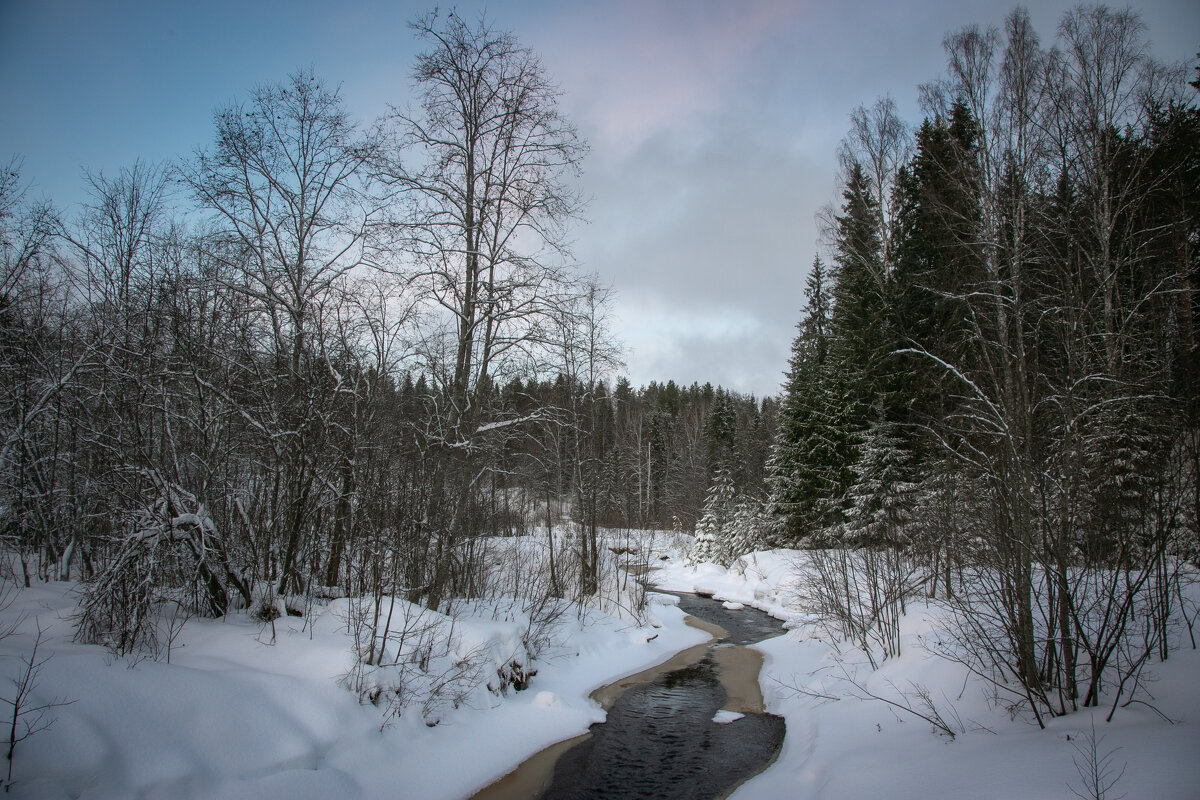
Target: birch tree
(482,167)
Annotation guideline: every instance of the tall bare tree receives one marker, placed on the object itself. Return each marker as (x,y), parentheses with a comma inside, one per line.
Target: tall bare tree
(488,197)
(485,185)
(285,180)
(880,143)
(37,362)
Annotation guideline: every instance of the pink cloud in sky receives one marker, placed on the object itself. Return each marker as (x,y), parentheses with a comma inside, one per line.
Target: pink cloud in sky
(653,66)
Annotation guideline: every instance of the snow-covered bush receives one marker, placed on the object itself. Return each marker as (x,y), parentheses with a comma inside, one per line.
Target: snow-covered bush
(409,658)
(168,551)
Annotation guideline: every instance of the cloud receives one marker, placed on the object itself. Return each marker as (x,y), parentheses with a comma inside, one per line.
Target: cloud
(730,347)
(707,240)
(647,67)
(713,124)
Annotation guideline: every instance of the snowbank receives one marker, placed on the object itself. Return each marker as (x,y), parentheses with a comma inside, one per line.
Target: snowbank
(862,747)
(765,580)
(237,715)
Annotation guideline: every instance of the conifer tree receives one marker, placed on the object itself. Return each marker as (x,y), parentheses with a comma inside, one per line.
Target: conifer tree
(856,374)
(748,528)
(720,430)
(880,500)
(805,459)
(937,221)
(712,531)
(859,315)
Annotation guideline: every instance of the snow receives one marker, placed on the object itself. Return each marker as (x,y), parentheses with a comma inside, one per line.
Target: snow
(235,715)
(858,747)
(238,713)
(764,580)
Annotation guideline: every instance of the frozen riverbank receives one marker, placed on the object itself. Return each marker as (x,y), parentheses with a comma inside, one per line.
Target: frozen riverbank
(692,726)
(860,747)
(239,714)
(236,714)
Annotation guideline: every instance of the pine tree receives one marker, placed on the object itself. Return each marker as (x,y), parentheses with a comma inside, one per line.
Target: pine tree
(880,500)
(712,531)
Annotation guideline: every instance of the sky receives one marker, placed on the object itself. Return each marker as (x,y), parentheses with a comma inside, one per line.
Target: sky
(714,126)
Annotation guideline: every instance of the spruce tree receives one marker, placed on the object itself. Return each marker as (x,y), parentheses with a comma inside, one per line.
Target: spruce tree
(859,318)
(860,371)
(805,459)
(748,527)
(712,531)
(937,223)
(720,431)
(881,498)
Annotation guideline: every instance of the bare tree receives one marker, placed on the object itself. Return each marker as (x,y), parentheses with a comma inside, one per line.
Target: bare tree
(38,361)
(1103,83)
(487,202)
(880,142)
(1065,379)
(1004,96)
(285,181)
(1099,772)
(486,199)
(29,715)
(589,353)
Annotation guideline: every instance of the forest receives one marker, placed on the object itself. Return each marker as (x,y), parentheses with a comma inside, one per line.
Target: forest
(994,388)
(317,360)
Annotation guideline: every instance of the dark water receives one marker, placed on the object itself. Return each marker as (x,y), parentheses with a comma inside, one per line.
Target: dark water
(745,626)
(659,740)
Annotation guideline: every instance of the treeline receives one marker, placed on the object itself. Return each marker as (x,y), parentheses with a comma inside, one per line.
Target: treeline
(993,393)
(316,358)
(647,453)
(672,441)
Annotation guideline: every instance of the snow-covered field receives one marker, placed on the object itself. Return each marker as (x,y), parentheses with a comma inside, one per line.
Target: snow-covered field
(236,716)
(858,747)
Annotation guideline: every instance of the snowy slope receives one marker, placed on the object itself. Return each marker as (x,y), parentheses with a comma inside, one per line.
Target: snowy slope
(859,747)
(235,716)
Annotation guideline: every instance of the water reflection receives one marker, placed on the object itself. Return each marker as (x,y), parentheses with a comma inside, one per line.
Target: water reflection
(659,740)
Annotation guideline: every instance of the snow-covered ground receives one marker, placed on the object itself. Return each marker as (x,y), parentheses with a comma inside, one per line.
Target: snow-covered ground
(863,748)
(237,715)
(234,715)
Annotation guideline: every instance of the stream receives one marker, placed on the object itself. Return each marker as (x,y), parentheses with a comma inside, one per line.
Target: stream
(659,739)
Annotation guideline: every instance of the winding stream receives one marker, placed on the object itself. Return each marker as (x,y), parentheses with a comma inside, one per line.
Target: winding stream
(660,740)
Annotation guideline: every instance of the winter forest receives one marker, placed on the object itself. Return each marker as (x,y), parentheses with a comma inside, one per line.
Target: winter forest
(340,387)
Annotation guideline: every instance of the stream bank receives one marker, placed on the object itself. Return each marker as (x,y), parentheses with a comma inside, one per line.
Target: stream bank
(660,738)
